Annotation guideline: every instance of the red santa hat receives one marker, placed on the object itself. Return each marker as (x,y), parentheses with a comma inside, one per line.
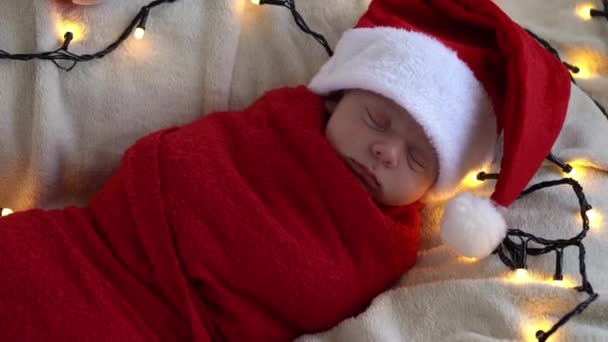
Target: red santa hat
(467,73)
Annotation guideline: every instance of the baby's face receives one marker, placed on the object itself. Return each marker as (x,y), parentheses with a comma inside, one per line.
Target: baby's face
(386,149)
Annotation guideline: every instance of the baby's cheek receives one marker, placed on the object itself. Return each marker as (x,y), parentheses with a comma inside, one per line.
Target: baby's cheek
(392,194)
(406,189)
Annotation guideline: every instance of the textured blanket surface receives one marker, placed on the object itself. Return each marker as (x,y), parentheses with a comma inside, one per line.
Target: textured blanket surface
(213,231)
(62,134)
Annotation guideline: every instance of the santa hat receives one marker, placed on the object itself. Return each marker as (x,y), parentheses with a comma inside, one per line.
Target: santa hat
(467,73)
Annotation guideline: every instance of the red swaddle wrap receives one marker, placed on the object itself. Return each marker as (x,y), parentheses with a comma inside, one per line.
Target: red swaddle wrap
(238,225)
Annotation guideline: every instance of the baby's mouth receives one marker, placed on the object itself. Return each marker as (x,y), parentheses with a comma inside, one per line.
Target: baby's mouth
(365,176)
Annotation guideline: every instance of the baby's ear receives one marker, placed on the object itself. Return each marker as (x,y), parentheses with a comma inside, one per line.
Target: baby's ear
(330,105)
(331,101)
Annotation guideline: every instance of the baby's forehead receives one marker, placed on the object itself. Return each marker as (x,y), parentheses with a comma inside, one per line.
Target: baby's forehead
(368,94)
(404,120)
(377,99)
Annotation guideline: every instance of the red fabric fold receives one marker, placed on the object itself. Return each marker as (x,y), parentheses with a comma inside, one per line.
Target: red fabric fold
(238,225)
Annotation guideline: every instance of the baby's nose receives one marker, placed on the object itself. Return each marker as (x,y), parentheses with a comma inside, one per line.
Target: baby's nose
(388,154)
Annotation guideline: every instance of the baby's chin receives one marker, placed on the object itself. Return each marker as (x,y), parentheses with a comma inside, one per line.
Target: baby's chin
(382,200)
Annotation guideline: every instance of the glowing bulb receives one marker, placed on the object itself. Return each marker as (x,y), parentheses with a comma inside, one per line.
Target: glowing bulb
(531,327)
(575,173)
(590,62)
(255,2)
(565,282)
(139,33)
(583,11)
(521,274)
(595,219)
(578,169)
(6,212)
(471,180)
(76,29)
(467,259)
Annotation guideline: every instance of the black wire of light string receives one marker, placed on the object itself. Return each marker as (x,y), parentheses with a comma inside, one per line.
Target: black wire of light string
(291,5)
(517,250)
(597,13)
(62,53)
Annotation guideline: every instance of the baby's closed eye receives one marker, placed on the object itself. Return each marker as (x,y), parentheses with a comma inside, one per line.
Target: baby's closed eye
(377,121)
(416,160)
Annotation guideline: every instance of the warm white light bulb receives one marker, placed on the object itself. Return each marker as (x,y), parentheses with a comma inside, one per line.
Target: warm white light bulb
(572,174)
(590,62)
(77,29)
(471,181)
(565,282)
(6,212)
(595,219)
(583,11)
(255,2)
(467,259)
(139,33)
(521,274)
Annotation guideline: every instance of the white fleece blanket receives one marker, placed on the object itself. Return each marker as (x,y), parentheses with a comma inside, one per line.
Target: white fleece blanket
(63,133)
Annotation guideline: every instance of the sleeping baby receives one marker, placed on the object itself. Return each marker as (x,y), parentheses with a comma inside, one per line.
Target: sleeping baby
(291,215)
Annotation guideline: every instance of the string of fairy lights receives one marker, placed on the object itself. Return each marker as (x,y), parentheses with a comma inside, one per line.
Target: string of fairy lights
(518,252)
(138,23)
(516,246)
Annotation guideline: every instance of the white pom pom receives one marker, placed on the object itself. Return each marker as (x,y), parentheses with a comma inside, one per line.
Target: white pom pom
(472,225)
